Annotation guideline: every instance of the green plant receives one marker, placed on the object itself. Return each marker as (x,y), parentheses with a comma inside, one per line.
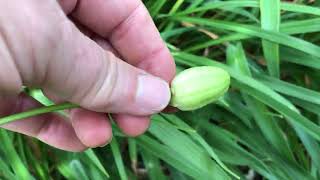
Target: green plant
(197,87)
(209,84)
(266,125)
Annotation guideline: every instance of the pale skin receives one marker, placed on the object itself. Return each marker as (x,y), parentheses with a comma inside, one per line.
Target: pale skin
(105,55)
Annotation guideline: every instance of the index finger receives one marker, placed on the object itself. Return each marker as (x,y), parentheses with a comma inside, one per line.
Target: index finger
(131,31)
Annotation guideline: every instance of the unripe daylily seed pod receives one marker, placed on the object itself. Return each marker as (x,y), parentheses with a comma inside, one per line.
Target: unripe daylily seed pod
(198,86)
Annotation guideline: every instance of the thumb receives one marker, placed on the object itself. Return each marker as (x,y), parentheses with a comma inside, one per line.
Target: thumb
(67,64)
(85,74)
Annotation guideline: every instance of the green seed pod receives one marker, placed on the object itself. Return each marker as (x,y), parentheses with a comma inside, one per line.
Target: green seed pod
(198,86)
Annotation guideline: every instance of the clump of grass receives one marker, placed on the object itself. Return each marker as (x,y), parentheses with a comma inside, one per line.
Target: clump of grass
(266,126)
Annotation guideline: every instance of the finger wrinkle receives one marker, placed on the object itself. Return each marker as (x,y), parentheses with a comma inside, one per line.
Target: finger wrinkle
(100,95)
(122,28)
(44,129)
(103,16)
(148,57)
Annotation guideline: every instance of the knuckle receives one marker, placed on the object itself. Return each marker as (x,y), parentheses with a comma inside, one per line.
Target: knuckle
(102,95)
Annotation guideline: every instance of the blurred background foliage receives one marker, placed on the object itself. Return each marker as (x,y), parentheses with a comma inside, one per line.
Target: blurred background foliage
(266,126)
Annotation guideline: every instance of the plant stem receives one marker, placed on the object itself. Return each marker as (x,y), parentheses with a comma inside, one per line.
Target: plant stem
(35,112)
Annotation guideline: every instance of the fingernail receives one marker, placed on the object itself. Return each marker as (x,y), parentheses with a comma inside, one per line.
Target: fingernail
(153,94)
(108,142)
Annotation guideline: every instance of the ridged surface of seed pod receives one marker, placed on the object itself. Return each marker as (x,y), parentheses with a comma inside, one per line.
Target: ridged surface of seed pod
(197,87)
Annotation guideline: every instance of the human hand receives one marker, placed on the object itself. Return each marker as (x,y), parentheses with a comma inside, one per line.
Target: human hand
(70,50)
